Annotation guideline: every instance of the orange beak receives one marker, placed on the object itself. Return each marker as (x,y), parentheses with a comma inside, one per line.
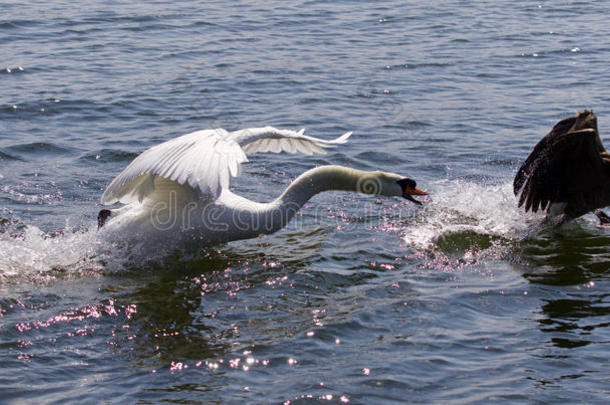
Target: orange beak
(410,191)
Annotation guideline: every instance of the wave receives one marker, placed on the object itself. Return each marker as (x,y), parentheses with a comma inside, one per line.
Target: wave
(28,253)
(467,223)
(35,148)
(459,207)
(462,223)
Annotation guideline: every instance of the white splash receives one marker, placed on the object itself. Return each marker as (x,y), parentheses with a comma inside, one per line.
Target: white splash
(27,253)
(457,206)
(33,251)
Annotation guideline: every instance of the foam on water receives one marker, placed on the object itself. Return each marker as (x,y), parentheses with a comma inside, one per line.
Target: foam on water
(462,207)
(28,253)
(460,217)
(32,253)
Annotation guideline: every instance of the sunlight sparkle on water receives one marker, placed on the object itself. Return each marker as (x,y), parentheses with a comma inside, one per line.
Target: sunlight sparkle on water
(212,366)
(177,366)
(235,363)
(325,397)
(88,311)
(317,314)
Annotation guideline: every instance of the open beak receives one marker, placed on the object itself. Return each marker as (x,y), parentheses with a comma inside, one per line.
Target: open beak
(411,191)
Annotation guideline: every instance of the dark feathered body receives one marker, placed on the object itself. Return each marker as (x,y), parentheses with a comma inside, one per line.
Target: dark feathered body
(570,166)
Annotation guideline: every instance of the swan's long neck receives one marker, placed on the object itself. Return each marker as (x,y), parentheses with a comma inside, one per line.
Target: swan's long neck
(323,178)
(249,218)
(273,216)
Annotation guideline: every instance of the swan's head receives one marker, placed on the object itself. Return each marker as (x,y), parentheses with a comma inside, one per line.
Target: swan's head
(409,189)
(102,217)
(390,185)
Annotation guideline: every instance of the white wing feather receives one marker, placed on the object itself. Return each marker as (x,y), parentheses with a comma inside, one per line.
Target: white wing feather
(205,161)
(269,139)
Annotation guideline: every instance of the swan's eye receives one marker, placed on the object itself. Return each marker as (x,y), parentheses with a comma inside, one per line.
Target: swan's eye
(406,183)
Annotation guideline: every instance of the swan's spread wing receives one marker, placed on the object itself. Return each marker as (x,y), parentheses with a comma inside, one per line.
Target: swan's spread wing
(565,169)
(169,195)
(203,160)
(269,139)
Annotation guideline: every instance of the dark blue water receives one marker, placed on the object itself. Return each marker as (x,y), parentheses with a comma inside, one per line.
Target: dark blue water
(359,300)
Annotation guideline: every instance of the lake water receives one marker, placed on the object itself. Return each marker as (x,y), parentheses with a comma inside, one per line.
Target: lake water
(360,299)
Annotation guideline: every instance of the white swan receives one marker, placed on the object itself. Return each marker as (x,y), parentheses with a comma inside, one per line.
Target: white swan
(178,191)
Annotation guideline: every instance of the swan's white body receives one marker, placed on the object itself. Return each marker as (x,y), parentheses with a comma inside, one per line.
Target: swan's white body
(178,191)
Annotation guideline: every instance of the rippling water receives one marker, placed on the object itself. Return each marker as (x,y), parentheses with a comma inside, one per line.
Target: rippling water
(359,300)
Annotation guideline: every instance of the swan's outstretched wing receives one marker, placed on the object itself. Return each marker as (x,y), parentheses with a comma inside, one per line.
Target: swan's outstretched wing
(565,166)
(269,139)
(204,160)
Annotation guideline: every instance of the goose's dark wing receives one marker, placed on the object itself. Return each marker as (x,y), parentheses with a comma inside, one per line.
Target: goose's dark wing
(563,167)
(583,120)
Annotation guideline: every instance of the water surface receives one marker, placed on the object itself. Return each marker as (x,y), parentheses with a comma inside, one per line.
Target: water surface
(360,299)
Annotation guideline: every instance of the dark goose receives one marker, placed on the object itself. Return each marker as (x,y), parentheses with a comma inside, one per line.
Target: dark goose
(568,170)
